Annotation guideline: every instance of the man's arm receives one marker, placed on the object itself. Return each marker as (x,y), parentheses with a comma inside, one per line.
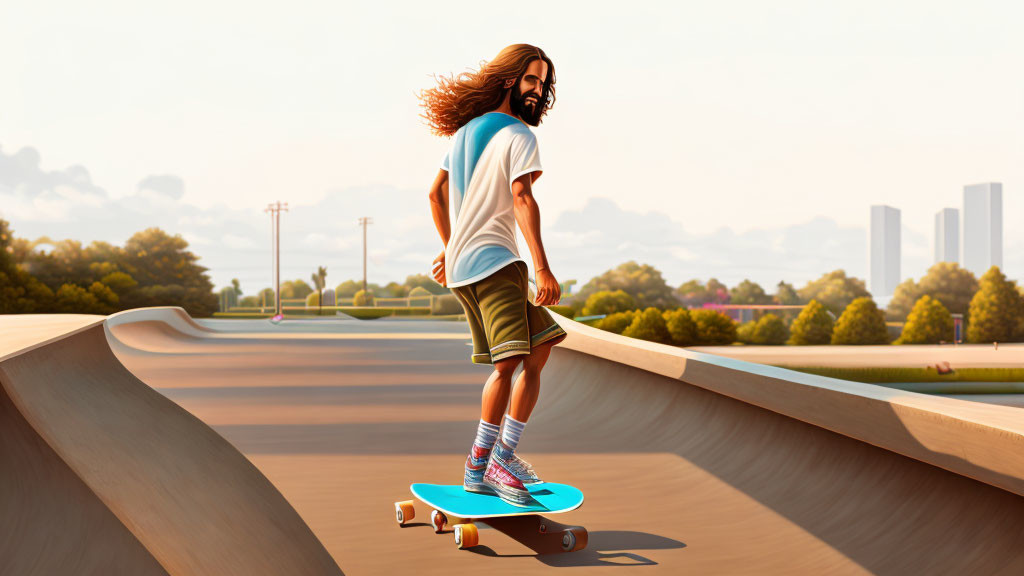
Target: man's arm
(439,206)
(528,217)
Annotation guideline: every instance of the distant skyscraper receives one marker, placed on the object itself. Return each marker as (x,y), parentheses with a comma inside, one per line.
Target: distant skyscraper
(981,239)
(947,235)
(884,257)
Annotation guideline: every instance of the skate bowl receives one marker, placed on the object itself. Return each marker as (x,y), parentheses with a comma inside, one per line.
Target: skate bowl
(100,474)
(689,461)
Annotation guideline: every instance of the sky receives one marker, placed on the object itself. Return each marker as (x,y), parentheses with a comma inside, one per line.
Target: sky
(728,139)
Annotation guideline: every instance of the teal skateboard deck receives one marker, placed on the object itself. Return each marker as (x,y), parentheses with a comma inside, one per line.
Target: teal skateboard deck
(549,498)
(454,506)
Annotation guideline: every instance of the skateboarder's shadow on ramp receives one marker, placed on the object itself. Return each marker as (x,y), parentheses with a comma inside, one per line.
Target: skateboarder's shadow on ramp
(605,548)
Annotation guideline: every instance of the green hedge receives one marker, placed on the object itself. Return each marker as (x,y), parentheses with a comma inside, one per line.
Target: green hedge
(897,375)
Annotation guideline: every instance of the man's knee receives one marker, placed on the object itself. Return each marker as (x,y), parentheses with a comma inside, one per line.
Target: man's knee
(539,355)
(507,366)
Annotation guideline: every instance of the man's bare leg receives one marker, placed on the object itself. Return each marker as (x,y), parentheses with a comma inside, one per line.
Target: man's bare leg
(493,403)
(496,390)
(526,390)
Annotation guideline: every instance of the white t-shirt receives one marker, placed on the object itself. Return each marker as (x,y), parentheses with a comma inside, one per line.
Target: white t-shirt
(486,156)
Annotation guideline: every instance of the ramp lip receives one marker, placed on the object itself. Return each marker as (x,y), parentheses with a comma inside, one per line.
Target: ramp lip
(966,438)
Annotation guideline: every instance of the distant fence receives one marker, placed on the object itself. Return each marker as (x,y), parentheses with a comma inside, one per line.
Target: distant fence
(298,305)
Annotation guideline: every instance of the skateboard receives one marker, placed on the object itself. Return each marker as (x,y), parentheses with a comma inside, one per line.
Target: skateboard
(452,505)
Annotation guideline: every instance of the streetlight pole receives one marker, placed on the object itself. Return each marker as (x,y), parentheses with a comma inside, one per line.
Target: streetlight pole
(364,220)
(275,210)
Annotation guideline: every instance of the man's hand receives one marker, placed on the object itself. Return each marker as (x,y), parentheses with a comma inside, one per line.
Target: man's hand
(548,290)
(438,270)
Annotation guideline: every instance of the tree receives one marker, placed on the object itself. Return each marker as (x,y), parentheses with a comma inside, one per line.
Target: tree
(295,289)
(713,328)
(20,292)
(641,281)
(995,310)
(834,290)
(320,281)
(648,325)
(681,327)
(73,299)
(694,294)
(748,292)
(785,294)
(607,302)
(397,290)
(167,273)
(928,323)
(861,323)
(425,282)
(349,288)
(617,322)
(770,330)
(946,282)
(228,298)
(812,327)
(266,298)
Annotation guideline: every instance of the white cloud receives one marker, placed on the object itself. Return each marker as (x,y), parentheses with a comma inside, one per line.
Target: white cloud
(580,243)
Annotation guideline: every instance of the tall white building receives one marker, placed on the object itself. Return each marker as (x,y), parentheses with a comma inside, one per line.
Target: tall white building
(947,235)
(981,235)
(884,256)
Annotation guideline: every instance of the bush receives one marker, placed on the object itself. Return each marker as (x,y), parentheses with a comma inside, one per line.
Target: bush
(681,328)
(713,327)
(745,332)
(861,323)
(929,322)
(363,298)
(419,292)
(995,310)
(617,322)
(445,305)
(608,302)
(313,300)
(648,325)
(813,327)
(770,330)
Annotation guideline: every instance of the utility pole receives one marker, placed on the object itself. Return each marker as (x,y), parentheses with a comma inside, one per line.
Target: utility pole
(275,210)
(364,221)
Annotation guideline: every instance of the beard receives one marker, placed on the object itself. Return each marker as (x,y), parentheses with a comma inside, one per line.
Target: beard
(529,108)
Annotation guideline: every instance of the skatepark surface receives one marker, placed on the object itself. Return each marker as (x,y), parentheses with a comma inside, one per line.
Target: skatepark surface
(148,442)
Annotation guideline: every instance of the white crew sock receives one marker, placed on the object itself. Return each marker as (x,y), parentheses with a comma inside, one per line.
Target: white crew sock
(486,435)
(513,430)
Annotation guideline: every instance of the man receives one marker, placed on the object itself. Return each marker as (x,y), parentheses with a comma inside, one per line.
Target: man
(489,172)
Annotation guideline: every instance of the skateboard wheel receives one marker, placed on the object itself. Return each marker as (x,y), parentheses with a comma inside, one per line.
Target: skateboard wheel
(404,512)
(466,536)
(574,539)
(438,520)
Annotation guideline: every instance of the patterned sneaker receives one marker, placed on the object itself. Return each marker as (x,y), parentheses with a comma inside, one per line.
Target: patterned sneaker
(523,470)
(476,464)
(501,478)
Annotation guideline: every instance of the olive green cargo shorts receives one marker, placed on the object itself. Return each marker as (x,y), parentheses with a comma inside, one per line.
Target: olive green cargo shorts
(501,317)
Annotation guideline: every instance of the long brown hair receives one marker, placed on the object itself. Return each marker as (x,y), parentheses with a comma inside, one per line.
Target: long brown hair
(458,99)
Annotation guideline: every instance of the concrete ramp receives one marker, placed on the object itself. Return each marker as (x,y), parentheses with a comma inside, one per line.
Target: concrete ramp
(894,482)
(691,463)
(99,474)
